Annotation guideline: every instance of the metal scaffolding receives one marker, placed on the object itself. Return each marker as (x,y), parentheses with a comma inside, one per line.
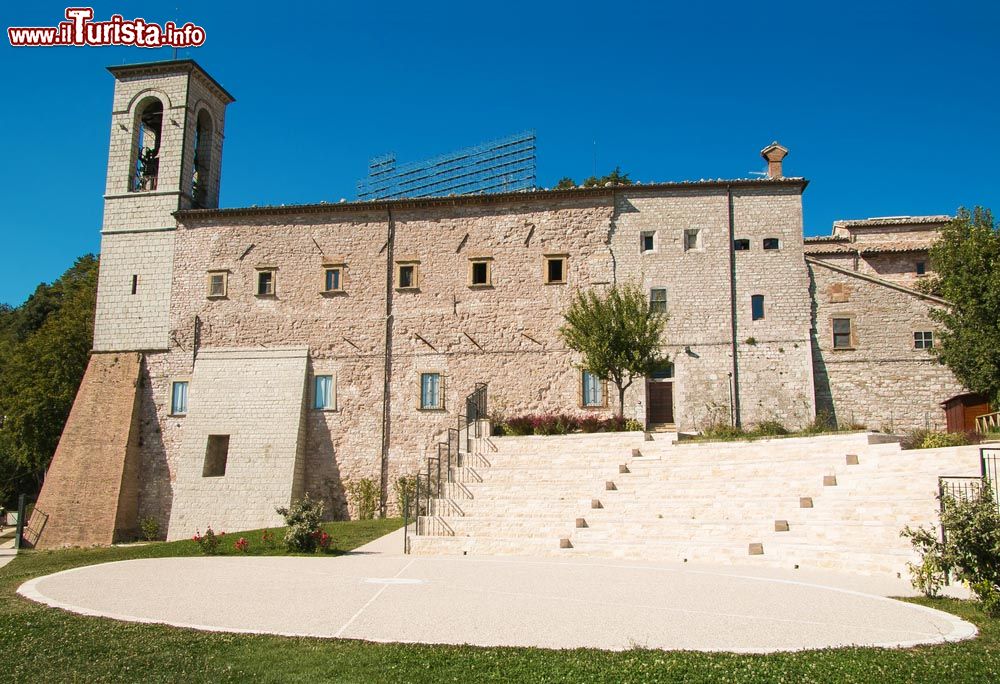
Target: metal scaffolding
(503,165)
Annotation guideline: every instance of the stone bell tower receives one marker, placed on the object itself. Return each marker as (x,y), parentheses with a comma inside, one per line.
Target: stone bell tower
(167,127)
(166,154)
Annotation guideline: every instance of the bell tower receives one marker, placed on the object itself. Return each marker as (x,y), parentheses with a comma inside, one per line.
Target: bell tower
(167,127)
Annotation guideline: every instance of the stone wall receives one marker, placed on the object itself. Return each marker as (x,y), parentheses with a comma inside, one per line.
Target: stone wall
(882,381)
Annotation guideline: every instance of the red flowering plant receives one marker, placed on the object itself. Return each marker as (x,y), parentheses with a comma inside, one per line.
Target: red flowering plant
(267,539)
(242,545)
(323,540)
(209,542)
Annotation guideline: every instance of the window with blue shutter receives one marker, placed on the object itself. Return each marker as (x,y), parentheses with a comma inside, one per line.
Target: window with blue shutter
(593,390)
(430,390)
(179,398)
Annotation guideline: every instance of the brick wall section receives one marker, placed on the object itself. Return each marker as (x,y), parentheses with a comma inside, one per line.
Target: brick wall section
(883,382)
(91,488)
(256,397)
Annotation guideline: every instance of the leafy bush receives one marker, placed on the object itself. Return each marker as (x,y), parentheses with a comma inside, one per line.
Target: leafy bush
(930,439)
(770,428)
(563,423)
(363,495)
(302,519)
(971,549)
(405,489)
(823,422)
(209,542)
(723,431)
(150,528)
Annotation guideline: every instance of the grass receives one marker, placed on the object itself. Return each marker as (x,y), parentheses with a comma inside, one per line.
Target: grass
(45,644)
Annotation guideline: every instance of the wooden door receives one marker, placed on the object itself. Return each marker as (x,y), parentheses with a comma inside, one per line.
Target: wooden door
(661,402)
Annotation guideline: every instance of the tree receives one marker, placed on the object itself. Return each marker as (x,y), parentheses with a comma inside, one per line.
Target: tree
(618,335)
(44,349)
(966,260)
(616,177)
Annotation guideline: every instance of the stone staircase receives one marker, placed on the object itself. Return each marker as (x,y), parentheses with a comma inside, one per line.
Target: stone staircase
(831,502)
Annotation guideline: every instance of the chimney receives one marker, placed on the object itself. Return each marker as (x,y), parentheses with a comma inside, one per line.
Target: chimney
(774,153)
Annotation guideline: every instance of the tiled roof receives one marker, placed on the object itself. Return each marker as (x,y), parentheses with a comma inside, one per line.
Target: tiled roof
(891,221)
(845,247)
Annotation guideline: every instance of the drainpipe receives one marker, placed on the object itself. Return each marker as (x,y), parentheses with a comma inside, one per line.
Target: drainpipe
(735,403)
(387,371)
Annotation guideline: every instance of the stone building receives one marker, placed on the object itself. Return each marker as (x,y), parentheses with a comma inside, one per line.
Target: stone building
(246,356)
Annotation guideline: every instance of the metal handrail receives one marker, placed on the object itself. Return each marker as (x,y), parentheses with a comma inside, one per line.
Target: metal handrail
(475,409)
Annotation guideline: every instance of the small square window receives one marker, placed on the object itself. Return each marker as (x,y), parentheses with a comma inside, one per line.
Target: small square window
(921,268)
(216,456)
(323,395)
(555,270)
(218,284)
(741,245)
(772,243)
(265,282)
(692,239)
(407,274)
(593,389)
(842,333)
(757,307)
(480,273)
(647,241)
(333,279)
(658,300)
(923,339)
(179,398)
(430,391)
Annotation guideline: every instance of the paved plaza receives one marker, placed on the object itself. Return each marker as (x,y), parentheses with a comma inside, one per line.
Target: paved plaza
(378,594)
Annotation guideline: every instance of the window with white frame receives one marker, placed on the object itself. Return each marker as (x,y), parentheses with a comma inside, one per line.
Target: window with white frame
(647,241)
(555,269)
(323,393)
(480,272)
(692,239)
(430,391)
(923,339)
(179,397)
(593,389)
(658,300)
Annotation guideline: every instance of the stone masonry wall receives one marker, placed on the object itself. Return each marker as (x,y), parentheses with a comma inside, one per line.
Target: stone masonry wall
(775,369)
(883,381)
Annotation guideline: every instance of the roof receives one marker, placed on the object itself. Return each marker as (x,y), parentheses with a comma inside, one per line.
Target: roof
(496,198)
(843,245)
(891,221)
(170,66)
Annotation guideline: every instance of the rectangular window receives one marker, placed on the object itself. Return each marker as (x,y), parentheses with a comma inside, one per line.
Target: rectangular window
(333,279)
(593,389)
(771,243)
(217,284)
(923,339)
(692,239)
(757,307)
(741,245)
(555,270)
(407,275)
(323,392)
(179,398)
(647,241)
(842,337)
(216,456)
(480,273)
(430,391)
(664,372)
(135,284)
(265,282)
(921,268)
(658,300)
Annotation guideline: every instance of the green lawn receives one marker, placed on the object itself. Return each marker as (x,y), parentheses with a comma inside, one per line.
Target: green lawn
(41,644)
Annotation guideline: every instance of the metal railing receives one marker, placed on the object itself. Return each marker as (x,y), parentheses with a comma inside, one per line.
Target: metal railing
(431,481)
(966,488)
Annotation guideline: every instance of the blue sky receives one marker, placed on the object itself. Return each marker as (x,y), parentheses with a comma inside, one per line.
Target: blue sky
(888,110)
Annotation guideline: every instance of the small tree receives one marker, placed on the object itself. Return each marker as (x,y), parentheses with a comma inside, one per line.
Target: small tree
(617,334)
(966,260)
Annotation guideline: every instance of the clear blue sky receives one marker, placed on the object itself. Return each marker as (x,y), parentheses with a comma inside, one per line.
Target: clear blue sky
(887,110)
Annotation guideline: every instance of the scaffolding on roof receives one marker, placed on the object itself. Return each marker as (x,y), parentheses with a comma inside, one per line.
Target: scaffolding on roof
(502,165)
